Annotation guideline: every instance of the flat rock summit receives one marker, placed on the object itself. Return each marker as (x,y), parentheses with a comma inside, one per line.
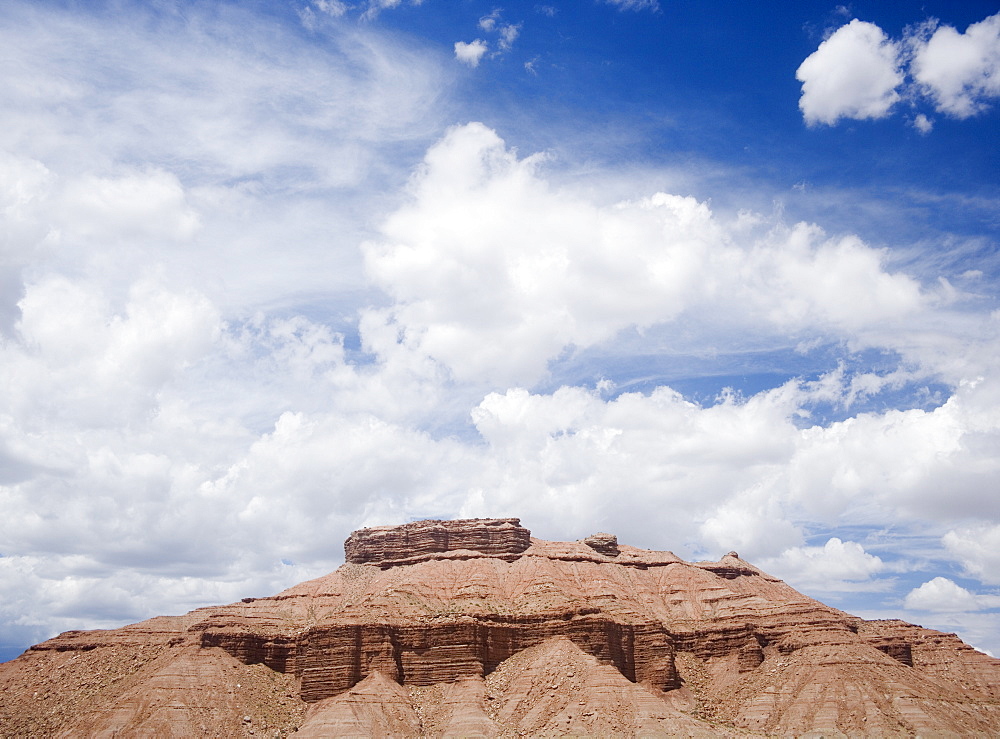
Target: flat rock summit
(475,629)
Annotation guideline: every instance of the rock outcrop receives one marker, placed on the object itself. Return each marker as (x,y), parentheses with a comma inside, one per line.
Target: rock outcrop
(389,546)
(445,628)
(606,544)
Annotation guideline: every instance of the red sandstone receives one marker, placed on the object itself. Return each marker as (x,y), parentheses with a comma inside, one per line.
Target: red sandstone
(472,628)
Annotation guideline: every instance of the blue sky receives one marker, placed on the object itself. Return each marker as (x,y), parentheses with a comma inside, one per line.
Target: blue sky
(706,276)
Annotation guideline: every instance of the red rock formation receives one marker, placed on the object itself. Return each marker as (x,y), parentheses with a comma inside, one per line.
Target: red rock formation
(376,706)
(606,544)
(472,627)
(388,546)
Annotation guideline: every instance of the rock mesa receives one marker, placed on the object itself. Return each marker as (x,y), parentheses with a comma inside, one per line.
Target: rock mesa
(474,628)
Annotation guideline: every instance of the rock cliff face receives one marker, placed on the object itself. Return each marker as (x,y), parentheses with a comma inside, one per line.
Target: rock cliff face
(473,628)
(388,546)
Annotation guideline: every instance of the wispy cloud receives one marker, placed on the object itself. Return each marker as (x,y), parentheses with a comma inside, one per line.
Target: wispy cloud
(634,4)
(472,53)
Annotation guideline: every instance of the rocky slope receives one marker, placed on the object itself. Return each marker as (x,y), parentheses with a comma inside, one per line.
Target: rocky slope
(473,628)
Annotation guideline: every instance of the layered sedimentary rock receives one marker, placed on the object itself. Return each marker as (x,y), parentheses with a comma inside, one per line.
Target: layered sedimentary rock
(606,544)
(474,628)
(394,545)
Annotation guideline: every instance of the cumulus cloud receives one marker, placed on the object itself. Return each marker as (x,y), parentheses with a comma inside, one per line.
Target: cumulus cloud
(854,73)
(756,472)
(944,595)
(571,458)
(836,566)
(470,53)
(923,124)
(923,464)
(859,73)
(960,71)
(75,348)
(977,548)
(490,296)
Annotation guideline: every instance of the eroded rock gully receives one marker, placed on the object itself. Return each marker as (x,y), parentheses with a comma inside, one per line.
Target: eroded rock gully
(473,628)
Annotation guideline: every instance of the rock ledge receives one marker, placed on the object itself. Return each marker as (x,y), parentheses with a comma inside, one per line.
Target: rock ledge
(606,544)
(391,545)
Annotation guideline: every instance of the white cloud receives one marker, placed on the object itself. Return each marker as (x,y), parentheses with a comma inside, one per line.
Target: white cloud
(374,7)
(923,124)
(328,8)
(634,4)
(751,522)
(135,148)
(368,10)
(491,296)
(75,348)
(571,459)
(39,595)
(25,185)
(960,71)
(334,8)
(858,72)
(977,548)
(634,460)
(836,566)
(134,206)
(562,461)
(470,53)
(853,74)
(944,595)
(900,465)
(508,35)
(245,110)
(489,22)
